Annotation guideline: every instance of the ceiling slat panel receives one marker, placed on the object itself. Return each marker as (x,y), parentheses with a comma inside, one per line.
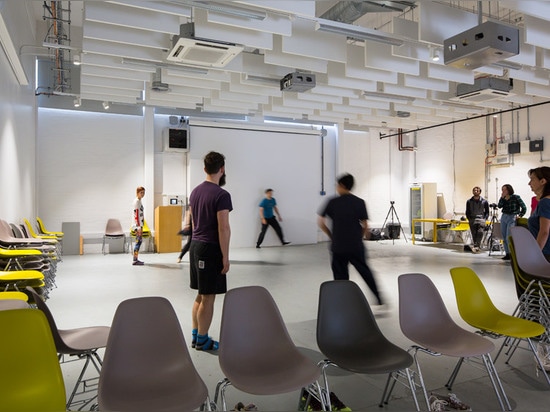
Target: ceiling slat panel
(125,35)
(292,61)
(379,56)
(104,12)
(251,38)
(122,50)
(305,41)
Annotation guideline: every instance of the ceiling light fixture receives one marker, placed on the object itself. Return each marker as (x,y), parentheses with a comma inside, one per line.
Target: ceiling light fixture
(106,105)
(387,96)
(508,65)
(357,32)
(77,102)
(434,54)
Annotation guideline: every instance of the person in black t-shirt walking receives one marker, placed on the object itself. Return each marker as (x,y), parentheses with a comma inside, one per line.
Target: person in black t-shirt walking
(348,214)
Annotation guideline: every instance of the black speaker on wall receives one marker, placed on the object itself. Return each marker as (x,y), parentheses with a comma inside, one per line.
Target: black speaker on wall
(177,140)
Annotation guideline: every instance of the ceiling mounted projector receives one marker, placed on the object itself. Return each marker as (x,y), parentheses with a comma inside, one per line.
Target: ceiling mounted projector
(298,82)
(488,43)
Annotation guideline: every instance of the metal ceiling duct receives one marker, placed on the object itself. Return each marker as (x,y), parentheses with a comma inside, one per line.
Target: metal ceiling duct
(350,11)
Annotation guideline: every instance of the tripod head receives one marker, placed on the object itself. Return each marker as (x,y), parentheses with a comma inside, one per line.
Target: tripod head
(391,202)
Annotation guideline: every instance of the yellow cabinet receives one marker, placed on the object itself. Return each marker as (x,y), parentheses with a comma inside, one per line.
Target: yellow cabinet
(167,225)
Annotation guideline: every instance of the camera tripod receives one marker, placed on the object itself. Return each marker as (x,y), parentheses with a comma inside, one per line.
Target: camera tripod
(489,236)
(393,214)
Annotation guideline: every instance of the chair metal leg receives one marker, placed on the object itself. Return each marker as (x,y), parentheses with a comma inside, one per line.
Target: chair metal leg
(454,374)
(220,390)
(495,380)
(393,378)
(539,361)
(419,371)
(93,358)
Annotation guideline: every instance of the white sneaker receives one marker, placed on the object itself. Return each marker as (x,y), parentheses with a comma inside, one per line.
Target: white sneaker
(436,404)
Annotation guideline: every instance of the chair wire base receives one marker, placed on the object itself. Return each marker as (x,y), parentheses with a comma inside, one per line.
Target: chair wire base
(84,386)
(484,359)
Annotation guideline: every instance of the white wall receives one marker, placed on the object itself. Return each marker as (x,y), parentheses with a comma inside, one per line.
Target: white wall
(287,161)
(89,165)
(17,128)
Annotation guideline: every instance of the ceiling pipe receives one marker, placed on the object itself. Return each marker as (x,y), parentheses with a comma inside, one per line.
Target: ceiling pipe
(400,142)
(384,136)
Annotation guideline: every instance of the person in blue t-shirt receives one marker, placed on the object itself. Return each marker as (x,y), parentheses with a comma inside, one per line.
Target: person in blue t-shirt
(268,209)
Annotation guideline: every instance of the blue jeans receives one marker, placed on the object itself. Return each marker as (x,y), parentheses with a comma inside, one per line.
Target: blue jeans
(506,222)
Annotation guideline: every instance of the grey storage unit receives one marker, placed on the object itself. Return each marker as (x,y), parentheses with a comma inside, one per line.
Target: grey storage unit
(71,238)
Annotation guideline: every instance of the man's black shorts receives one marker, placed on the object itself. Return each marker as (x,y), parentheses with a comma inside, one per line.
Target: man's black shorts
(206,263)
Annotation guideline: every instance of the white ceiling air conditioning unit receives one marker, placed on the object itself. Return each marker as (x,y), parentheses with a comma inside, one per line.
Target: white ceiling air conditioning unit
(191,50)
(484,89)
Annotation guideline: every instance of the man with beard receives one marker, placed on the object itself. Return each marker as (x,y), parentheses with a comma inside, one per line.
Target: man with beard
(209,207)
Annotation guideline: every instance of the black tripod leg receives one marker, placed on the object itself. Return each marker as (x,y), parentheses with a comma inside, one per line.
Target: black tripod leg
(398,221)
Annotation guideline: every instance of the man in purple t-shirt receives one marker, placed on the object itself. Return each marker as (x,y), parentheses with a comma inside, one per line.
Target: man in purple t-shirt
(209,206)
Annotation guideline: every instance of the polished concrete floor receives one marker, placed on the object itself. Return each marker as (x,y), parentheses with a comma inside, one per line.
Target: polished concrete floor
(89,288)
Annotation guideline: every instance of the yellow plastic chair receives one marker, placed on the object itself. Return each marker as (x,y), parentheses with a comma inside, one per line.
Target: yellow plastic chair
(36,235)
(461,228)
(19,279)
(43,230)
(145,234)
(31,378)
(14,296)
(477,309)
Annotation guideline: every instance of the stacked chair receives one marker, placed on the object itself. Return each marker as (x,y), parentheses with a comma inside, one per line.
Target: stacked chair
(43,231)
(531,275)
(30,261)
(12,303)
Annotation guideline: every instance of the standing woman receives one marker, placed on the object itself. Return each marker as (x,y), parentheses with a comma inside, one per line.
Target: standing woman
(512,208)
(137,225)
(539,221)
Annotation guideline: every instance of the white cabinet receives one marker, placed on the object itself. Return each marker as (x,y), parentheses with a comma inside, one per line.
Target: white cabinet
(423,205)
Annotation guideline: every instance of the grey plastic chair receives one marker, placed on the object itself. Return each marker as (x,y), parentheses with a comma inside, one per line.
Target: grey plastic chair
(348,335)
(424,319)
(529,255)
(113,230)
(8,304)
(532,278)
(256,354)
(82,343)
(147,366)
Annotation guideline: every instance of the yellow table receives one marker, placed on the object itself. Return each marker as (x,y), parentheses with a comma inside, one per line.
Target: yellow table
(435,221)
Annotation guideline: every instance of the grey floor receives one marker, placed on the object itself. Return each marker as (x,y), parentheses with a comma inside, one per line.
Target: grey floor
(90,287)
